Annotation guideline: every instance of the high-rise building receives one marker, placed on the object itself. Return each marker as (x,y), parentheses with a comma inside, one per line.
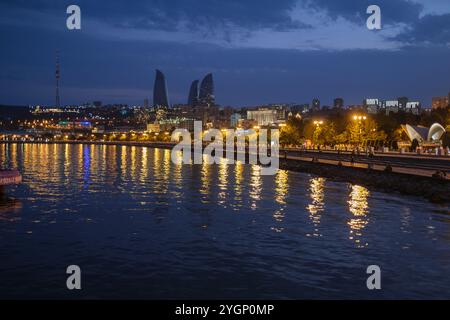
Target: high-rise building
(338,103)
(57,76)
(402,102)
(372,105)
(263,116)
(193,94)
(234,119)
(316,104)
(440,102)
(160,96)
(413,107)
(206,94)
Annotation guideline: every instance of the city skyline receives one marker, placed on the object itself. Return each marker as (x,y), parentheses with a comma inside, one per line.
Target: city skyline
(204,94)
(258,54)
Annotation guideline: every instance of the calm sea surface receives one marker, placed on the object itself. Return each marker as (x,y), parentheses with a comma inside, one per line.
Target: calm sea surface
(141,227)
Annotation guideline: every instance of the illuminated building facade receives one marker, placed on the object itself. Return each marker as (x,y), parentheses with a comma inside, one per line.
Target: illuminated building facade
(440,102)
(263,116)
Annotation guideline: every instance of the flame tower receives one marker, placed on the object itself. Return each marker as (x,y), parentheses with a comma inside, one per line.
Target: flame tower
(57,76)
(160,96)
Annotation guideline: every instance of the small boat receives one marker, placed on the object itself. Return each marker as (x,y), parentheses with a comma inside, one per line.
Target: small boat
(8,177)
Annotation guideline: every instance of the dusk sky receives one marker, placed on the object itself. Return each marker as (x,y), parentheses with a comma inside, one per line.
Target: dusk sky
(259,51)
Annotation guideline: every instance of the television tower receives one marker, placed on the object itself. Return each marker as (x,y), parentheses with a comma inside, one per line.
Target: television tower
(57,75)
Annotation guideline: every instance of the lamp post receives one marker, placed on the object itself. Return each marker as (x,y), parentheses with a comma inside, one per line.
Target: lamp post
(317,123)
(359,120)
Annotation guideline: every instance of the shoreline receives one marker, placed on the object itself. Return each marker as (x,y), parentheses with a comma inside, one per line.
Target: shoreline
(432,189)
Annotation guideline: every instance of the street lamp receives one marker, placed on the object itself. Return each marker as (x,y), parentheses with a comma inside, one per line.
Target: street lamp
(360,119)
(318,123)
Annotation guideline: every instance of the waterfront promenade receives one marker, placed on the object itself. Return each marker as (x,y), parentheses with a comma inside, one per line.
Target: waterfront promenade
(411,164)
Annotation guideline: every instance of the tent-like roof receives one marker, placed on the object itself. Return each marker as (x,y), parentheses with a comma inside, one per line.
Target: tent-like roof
(423,134)
(436,132)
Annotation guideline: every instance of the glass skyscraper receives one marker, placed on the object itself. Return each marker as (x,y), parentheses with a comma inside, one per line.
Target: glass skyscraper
(160,96)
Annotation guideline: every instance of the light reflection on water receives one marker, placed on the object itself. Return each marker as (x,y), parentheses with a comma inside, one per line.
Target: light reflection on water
(208,231)
(359,207)
(316,205)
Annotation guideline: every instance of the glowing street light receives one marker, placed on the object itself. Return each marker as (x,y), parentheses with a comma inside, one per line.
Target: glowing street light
(318,123)
(360,118)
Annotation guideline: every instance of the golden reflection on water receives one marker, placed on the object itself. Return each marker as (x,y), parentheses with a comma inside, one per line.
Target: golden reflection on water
(281,186)
(67,163)
(104,156)
(317,204)
(3,157)
(223,181)
(133,162)
(144,165)
(238,178)
(178,176)
(205,177)
(156,160)
(123,160)
(161,171)
(13,158)
(255,186)
(111,164)
(167,164)
(281,190)
(358,207)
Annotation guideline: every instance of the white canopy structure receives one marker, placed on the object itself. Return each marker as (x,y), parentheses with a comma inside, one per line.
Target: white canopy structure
(423,134)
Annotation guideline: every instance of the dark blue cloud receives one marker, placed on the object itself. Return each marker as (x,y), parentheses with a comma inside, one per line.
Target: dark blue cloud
(114,70)
(219,17)
(166,15)
(393,11)
(430,29)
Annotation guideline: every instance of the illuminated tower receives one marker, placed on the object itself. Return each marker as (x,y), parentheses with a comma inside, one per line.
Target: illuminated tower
(57,75)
